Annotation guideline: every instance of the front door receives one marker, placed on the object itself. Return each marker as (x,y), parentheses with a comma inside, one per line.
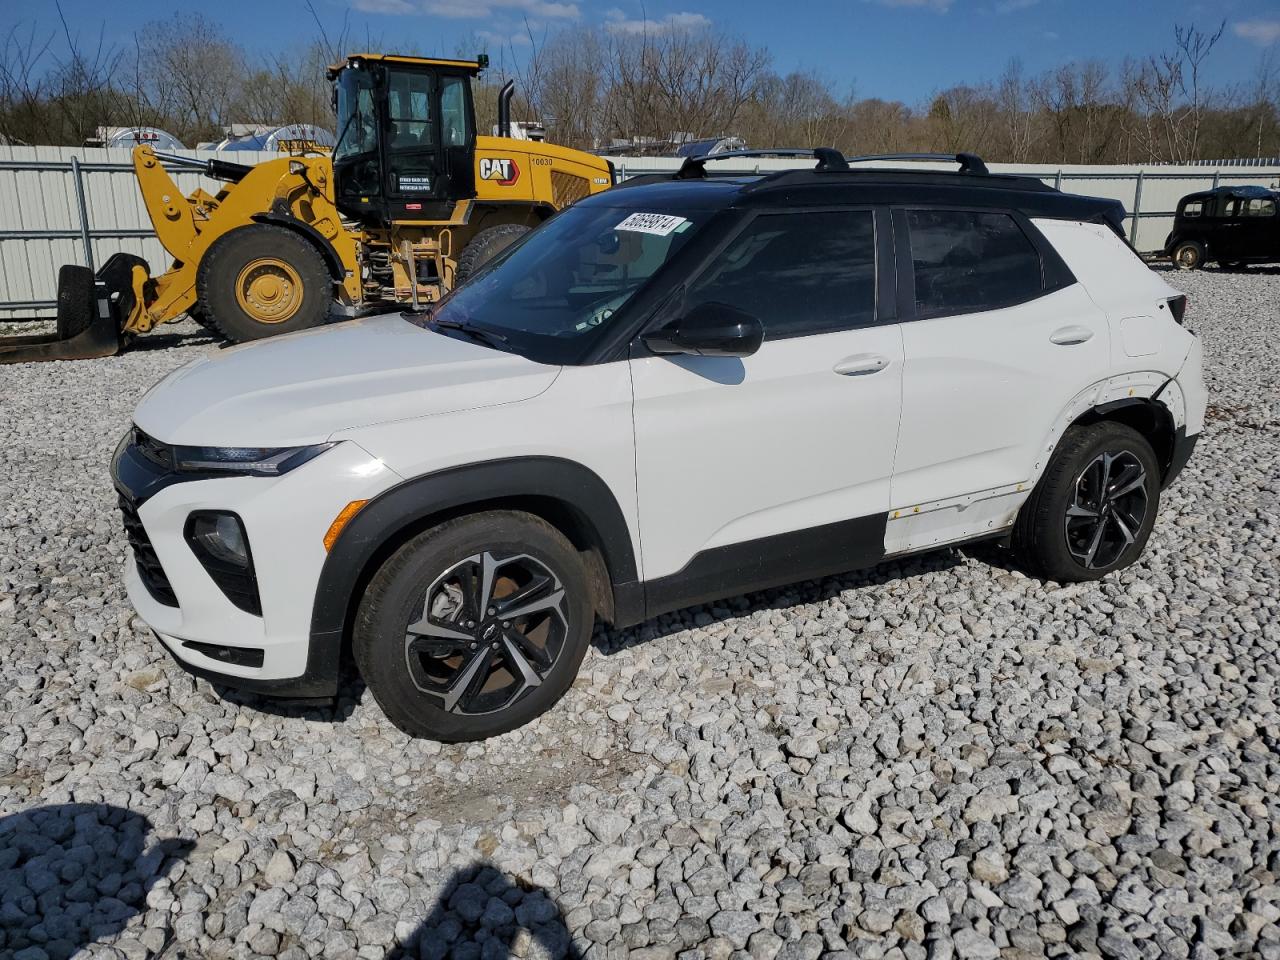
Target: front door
(766,469)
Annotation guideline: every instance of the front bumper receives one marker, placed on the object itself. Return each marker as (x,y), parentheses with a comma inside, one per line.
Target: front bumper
(285,519)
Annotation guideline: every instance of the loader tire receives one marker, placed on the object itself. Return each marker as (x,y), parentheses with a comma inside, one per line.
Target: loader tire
(262,280)
(76,301)
(486,245)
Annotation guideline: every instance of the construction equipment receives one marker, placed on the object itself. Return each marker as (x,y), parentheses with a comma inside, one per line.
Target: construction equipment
(410,202)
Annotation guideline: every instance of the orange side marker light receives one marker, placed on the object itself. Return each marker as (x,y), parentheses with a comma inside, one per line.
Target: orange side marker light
(340,522)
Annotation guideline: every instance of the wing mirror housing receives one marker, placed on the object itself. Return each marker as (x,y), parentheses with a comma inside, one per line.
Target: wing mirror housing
(709,330)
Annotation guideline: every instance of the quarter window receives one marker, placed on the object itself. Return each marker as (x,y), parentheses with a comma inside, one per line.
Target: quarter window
(1193,209)
(799,273)
(967,261)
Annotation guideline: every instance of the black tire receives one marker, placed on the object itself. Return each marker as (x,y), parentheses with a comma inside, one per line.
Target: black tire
(415,684)
(486,245)
(1049,542)
(1189,255)
(229,264)
(76,302)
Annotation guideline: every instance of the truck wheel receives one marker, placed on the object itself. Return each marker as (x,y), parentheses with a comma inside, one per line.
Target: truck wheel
(474,627)
(261,280)
(1093,509)
(486,245)
(1188,255)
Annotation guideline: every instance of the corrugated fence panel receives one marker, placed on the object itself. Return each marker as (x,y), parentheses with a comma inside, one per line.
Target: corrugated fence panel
(37,193)
(36,198)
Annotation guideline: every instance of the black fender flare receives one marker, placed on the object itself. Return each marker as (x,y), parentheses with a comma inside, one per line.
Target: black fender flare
(337,269)
(381,524)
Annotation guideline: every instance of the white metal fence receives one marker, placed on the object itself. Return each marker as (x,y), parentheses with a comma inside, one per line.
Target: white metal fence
(72,205)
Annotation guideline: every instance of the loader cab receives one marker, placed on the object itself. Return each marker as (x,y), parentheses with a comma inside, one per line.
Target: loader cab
(406,137)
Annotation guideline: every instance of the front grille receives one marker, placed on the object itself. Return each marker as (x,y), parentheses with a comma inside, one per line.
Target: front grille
(149,569)
(567,188)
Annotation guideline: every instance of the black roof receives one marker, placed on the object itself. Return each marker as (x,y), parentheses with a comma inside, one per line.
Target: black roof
(1243,191)
(867,185)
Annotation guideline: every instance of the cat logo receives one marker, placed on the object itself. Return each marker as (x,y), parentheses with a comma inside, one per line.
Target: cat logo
(501,169)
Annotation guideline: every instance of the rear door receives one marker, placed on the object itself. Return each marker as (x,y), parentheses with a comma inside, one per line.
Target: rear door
(774,467)
(999,340)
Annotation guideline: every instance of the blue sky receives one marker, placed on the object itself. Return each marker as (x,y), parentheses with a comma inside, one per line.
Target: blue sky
(896,49)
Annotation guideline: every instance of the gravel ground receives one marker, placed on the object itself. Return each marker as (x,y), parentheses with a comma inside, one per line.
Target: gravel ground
(938,758)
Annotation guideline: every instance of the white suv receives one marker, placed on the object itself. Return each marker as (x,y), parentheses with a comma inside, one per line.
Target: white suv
(680,389)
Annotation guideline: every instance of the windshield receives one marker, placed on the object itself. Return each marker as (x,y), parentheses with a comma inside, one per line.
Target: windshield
(550,293)
(357,124)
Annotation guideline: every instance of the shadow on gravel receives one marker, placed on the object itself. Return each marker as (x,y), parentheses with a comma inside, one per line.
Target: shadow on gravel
(74,874)
(485,915)
(169,341)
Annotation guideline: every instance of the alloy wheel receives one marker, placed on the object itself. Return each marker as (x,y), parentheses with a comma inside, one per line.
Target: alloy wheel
(1107,510)
(488,631)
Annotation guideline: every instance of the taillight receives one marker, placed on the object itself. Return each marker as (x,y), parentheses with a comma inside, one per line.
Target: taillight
(1178,307)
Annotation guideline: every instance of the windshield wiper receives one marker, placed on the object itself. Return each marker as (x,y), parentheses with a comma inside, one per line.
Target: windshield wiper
(486,336)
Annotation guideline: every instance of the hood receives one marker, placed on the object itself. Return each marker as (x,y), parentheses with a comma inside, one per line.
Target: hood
(304,387)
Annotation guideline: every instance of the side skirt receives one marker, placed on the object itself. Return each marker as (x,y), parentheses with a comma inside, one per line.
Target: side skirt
(769,562)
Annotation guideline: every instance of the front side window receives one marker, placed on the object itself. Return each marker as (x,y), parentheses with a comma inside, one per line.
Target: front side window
(554,292)
(968,261)
(798,273)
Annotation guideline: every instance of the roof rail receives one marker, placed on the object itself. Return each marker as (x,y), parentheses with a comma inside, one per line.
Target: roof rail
(695,168)
(969,162)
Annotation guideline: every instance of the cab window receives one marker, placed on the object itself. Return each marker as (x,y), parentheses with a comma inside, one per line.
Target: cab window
(453,112)
(409,109)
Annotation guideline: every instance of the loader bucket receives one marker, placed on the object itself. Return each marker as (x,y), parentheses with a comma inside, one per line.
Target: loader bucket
(90,308)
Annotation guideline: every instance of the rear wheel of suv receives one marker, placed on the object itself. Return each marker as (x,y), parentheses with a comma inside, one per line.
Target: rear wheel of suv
(1093,509)
(1189,255)
(474,627)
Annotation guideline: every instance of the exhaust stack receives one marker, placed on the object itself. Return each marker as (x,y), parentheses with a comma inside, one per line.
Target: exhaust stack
(504,108)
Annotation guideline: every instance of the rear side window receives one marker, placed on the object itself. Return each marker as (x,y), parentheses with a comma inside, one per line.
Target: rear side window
(966,261)
(798,273)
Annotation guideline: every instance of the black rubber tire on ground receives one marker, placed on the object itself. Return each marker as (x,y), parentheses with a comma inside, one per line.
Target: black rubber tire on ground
(486,245)
(395,598)
(1039,534)
(221,269)
(1188,255)
(77,305)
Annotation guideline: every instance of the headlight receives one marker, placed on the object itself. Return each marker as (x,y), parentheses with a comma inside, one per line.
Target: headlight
(245,461)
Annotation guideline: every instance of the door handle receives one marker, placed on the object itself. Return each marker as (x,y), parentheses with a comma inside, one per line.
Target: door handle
(1066,336)
(860,364)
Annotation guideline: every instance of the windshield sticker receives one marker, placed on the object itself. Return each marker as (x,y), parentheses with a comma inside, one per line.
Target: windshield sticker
(658,224)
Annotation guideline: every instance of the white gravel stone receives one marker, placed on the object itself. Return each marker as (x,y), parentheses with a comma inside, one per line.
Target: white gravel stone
(939,758)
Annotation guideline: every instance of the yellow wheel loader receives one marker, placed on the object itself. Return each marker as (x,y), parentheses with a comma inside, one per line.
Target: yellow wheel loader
(410,202)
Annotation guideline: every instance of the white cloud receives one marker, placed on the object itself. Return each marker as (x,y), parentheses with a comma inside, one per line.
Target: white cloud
(618,22)
(475,9)
(938,6)
(1262,32)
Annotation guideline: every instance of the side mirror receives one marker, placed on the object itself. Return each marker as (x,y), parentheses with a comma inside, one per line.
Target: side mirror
(709,330)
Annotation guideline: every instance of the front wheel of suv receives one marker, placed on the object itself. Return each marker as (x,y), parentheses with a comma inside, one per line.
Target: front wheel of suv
(474,627)
(1093,509)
